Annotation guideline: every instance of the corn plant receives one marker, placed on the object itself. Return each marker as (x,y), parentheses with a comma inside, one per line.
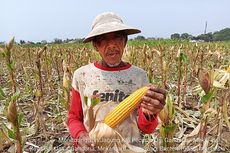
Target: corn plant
(39,93)
(167,125)
(12,113)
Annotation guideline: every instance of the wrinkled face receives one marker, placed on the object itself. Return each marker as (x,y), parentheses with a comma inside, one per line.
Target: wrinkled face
(111,46)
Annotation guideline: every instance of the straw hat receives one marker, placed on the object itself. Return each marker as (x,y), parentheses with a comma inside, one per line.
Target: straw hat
(108,22)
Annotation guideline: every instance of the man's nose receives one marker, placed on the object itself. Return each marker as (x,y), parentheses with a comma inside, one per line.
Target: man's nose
(111,47)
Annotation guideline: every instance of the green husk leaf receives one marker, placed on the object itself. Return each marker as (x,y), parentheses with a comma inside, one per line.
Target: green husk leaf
(183,58)
(95,101)
(20,118)
(2,94)
(15,95)
(11,133)
(170,106)
(11,66)
(86,100)
(170,128)
(207,97)
(37,93)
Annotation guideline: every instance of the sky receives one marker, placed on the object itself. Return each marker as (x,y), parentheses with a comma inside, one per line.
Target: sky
(37,20)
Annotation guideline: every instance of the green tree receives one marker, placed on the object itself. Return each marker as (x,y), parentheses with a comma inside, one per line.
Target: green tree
(57,41)
(206,37)
(222,35)
(175,36)
(22,42)
(184,36)
(139,38)
(43,42)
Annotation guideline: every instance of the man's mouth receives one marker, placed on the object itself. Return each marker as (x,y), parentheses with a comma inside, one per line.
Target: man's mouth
(113,54)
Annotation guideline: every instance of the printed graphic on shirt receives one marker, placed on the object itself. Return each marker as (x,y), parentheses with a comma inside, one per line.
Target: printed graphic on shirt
(122,82)
(116,96)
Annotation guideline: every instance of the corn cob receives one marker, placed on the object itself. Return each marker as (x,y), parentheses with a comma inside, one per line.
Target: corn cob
(122,111)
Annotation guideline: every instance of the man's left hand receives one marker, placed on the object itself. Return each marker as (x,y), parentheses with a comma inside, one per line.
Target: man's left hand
(153,101)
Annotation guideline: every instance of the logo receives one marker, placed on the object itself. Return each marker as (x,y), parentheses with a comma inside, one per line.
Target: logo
(117,95)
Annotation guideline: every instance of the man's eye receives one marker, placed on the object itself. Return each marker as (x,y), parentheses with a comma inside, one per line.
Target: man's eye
(121,36)
(101,40)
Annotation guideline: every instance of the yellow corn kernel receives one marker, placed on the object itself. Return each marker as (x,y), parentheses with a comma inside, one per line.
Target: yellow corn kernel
(122,110)
(228,69)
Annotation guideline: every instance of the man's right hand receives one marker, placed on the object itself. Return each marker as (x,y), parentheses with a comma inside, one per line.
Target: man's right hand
(85,144)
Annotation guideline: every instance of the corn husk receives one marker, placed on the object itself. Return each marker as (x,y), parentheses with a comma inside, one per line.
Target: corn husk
(205,80)
(109,140)
(66,83)
(167,113)
(10,44)
(164,115)
(12,113)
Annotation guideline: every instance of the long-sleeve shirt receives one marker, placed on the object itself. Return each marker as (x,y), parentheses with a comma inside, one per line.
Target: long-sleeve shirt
(112,84)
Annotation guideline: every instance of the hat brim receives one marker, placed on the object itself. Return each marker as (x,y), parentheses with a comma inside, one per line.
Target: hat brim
(107,28)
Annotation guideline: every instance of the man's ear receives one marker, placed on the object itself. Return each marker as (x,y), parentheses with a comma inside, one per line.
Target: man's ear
(126,39)
(95,45)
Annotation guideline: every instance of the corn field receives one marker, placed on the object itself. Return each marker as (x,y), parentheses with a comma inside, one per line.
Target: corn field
(35,84)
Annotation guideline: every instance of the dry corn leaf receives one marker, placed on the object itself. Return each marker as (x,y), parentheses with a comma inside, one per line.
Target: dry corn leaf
(195,131)
(181,132)
(205,146)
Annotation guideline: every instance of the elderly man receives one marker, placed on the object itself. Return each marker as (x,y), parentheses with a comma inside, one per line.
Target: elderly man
(113,80)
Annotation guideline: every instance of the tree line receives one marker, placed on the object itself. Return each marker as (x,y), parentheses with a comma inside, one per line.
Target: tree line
(222,35)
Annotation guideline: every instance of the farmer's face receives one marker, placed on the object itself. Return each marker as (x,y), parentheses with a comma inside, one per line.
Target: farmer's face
(111,46)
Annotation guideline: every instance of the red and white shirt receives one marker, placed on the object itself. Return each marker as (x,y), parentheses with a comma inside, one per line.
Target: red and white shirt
(113,85)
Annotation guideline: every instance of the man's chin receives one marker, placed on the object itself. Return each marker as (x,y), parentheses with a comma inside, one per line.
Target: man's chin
(113,64)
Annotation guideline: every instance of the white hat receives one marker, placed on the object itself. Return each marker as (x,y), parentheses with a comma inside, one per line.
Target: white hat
(108,22)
